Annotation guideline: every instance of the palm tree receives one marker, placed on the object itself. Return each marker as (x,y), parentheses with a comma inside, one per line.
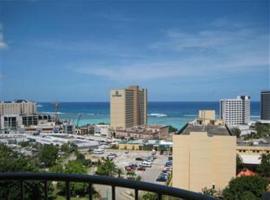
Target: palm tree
(107,167)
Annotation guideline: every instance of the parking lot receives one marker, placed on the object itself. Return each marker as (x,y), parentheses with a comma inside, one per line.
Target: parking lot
(125,158)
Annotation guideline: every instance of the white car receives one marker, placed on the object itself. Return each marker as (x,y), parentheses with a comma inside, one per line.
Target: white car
(146,164)
(98,151)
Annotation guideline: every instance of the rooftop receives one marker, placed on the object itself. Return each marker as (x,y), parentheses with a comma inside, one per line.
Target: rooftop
(211,130)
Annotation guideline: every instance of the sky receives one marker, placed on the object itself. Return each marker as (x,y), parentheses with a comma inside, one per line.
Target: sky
(178,50)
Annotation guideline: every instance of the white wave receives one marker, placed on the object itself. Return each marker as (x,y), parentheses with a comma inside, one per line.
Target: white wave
(91,114)
(255,116)
(157,115)
(52,113)
(190,115)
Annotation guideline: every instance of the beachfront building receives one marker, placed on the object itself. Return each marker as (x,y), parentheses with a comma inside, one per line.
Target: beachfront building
(128,107)
(18,107)
(235,111)
(265,105)
(204,155)
(143,132)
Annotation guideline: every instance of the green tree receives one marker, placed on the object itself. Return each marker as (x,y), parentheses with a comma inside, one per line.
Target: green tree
(48,155)
(236,131)
(172,129)
(11,161)
(264,167)
(58,168)
(24,143)
(74,167)
(239,163)
(149,196)
(107,168)
(209,191)
(81,158)
(244,187)
(263,130)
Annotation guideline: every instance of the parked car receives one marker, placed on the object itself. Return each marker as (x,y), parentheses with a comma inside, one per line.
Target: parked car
(141,168)
(98,151)
(168,163)
(146,164)
(167,169)
(129,169)
(139,159)
(162,178)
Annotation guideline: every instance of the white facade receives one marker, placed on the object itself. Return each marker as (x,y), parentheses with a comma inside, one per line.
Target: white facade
(10,121)
(235,111)
(103,130)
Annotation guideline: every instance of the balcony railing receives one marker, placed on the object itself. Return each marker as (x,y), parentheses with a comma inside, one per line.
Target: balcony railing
(137,186)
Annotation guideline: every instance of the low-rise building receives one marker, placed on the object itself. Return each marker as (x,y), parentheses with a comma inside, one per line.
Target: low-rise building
(10,122)
(143,132)
(251,151)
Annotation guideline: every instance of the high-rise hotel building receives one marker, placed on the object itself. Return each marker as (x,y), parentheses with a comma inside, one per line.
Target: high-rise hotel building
(128,107)
(18,107)
(265,105)
(235,111)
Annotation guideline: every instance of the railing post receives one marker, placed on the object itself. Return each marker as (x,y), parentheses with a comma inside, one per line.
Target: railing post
(67,190)
(136,194)
(21,189)
(90,191)
(45,190)
(159,196)
(113,192)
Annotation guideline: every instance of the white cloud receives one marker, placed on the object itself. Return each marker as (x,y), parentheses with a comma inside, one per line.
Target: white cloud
(199,67)
(203,53)
(3,44)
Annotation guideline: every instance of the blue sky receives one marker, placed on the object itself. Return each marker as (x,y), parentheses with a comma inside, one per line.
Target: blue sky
(179,50)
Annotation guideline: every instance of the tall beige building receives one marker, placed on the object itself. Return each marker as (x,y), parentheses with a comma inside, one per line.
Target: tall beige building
(203,156)
(128,107)
(18,107)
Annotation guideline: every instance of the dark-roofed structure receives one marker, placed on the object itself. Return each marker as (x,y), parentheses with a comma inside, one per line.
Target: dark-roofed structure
(209,128)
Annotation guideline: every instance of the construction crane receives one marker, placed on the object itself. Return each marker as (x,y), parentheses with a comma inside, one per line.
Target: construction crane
(78,120)
(56,108)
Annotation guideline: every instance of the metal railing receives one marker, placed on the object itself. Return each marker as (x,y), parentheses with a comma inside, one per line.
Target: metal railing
(137,186)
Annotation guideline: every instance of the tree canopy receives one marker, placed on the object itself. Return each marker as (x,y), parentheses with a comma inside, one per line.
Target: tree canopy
(10,161)
(245,188)
(264,167)
(172,129)
(107,168)
(48,155)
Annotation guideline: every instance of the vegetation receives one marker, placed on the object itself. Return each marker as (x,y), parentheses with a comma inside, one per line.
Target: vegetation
(172,129)
(11,161)
(210,192)
(72,167)
(81,158)
(239,164)
(264,167)
(245,188)
(48,155)
(236,131)
(24,143)
(263,130)
(106,168)
(149,196)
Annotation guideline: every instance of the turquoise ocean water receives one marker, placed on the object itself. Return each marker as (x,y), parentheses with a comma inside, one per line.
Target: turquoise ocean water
(166,113)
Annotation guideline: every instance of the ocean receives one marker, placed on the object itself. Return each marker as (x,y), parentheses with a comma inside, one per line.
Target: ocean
(176,114)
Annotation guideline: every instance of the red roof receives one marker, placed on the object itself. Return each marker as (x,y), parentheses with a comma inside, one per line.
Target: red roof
(246,172)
